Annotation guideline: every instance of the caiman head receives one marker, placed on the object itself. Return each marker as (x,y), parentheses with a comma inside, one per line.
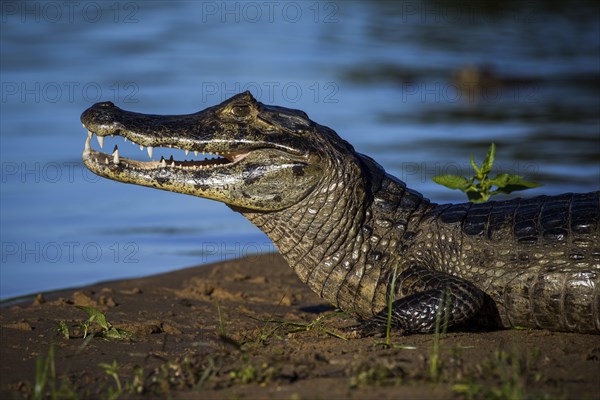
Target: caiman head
(268,157)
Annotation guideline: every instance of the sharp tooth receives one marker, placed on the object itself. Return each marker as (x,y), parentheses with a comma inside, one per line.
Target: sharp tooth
(163,163)
(82,125)
(106,160)
(141,147)
(90,134)
(100,141)
(116,155)
(124,139)
(150,152)
(173,164)
(196,153)
(187,152)
(112,135)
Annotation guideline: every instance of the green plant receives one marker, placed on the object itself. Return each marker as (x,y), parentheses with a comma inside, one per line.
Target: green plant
(294,327)
(136,386)
(385,373)
(47,381)
(441,326)
(244,374)
(508,376)
(45,374)
(479,187)
(248,373)
(208,372)
(222,334)
(388,327)
(112,370)
(63,329)
(108,330)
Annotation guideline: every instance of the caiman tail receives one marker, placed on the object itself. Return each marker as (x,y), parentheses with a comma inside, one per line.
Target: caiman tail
(554,298)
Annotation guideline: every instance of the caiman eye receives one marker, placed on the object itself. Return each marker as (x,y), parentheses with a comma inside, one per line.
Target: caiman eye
(241,111)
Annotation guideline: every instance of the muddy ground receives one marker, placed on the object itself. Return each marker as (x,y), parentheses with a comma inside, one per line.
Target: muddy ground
(249,329)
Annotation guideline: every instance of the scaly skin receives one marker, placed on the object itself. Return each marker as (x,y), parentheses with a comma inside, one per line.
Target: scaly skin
(344,225)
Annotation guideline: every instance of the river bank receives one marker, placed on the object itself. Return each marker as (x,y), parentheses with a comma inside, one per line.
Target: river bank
(249,329)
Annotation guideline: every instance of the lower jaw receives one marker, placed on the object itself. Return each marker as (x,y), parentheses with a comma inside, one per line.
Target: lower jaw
(115,159)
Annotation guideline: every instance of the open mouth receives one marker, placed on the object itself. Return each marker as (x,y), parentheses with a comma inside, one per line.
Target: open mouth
(166,156)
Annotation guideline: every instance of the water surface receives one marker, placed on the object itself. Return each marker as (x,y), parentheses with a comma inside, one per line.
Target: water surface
(385,75)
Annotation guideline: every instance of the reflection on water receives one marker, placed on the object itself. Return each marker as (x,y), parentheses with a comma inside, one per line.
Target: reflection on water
(418,85)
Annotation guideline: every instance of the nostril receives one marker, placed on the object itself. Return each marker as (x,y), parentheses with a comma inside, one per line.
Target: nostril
(106,104)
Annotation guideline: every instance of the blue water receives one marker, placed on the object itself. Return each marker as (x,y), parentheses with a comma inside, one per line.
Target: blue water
(382,74)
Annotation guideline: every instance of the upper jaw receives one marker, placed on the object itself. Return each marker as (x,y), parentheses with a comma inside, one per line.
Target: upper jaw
(201,132)
(149,130)
(176,132)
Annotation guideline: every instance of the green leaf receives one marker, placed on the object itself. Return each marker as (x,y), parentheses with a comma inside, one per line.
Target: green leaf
(486,167)
(452,182)
(118,334)
(508,183)
(475,167)
(96,316)
(479,187)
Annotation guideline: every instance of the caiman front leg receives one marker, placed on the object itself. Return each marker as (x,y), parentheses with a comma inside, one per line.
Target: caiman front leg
(427,297)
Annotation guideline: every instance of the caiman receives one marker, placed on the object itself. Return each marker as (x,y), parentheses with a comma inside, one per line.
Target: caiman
(358,236)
